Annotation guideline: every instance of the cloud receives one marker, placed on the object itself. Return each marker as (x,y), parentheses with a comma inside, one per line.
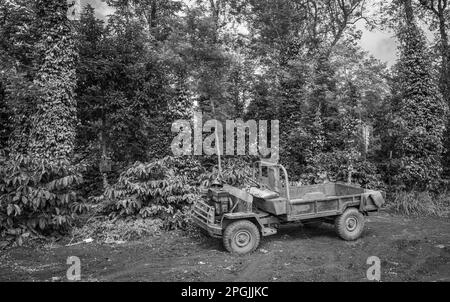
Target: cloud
(381,45)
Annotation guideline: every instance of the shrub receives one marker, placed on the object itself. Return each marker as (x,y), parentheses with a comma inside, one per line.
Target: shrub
(38,196)
(235,172)
(163,189)
(166,189)
(368,176)
(334,166)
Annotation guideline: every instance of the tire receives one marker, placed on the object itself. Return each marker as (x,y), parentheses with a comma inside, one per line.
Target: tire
(350,225)
(241,237)
(312,225)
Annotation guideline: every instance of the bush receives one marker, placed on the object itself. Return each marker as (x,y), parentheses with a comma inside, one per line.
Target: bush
(368,176)
(334,166)
(235,172)
(164,189)
(420,204)
(38,196)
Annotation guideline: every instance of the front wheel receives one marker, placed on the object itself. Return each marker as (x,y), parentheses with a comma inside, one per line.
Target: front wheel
(241,237)
(350,225)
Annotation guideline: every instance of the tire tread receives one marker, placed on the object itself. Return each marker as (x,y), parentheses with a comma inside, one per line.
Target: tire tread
(238,225)
(341,228)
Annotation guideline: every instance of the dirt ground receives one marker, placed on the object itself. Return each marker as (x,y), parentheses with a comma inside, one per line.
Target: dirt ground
(410,249)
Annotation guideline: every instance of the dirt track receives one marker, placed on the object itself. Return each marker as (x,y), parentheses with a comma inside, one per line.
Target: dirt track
(409,249)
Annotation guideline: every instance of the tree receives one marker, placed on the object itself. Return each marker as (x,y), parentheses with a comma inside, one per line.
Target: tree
(419,112)
(18,36)
(53,133)
(130,85)
(440,12)
(5,120)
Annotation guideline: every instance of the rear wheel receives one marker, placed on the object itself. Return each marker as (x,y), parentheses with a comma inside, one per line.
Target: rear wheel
(350,225)
(241,237)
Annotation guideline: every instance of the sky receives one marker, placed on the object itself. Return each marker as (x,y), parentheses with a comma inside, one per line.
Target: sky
(380,44)
(101,8)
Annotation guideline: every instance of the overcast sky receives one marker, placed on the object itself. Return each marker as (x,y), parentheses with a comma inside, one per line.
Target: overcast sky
(380,44)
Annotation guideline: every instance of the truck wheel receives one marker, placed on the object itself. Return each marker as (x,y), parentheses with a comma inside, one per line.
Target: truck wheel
(350,225)
(241,237)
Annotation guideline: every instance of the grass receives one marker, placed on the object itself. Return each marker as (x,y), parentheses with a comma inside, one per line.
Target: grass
(420,204)
(105,230)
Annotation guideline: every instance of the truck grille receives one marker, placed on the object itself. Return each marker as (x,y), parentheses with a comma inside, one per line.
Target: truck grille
(203,213)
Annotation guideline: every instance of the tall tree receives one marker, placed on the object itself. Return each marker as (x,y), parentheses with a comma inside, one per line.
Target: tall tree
(18,35)
(129,84)
(54,122)
(419,113)
(440,12)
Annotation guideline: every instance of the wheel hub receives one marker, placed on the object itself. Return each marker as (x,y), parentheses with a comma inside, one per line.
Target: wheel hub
(242,238)
(351,223)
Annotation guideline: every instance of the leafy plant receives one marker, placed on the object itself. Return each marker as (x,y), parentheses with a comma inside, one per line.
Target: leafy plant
(161,189)
(235,172)
(38,196)
(166,189)
(419,111)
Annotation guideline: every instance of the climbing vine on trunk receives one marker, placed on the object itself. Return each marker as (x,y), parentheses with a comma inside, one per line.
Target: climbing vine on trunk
(419,122)
(53,131)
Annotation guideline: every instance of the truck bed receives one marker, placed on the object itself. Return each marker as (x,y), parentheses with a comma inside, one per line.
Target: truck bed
(308,202)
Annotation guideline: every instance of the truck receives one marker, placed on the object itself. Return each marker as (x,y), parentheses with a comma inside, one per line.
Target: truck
(241,216)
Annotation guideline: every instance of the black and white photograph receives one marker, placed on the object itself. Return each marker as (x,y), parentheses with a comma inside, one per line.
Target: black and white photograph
(224,146)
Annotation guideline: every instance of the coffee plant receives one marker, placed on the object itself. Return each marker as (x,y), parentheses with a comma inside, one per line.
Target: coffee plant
(162,189)
(38,196)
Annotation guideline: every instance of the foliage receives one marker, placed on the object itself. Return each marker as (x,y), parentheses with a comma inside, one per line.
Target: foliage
(38,196)
(235,172)
(18,35)
(337,167)
(418,117)
(105,92)
(5,119)
(125,88)
(165,189)
(440,22)
(52,133)
(162,189)
(420,204)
